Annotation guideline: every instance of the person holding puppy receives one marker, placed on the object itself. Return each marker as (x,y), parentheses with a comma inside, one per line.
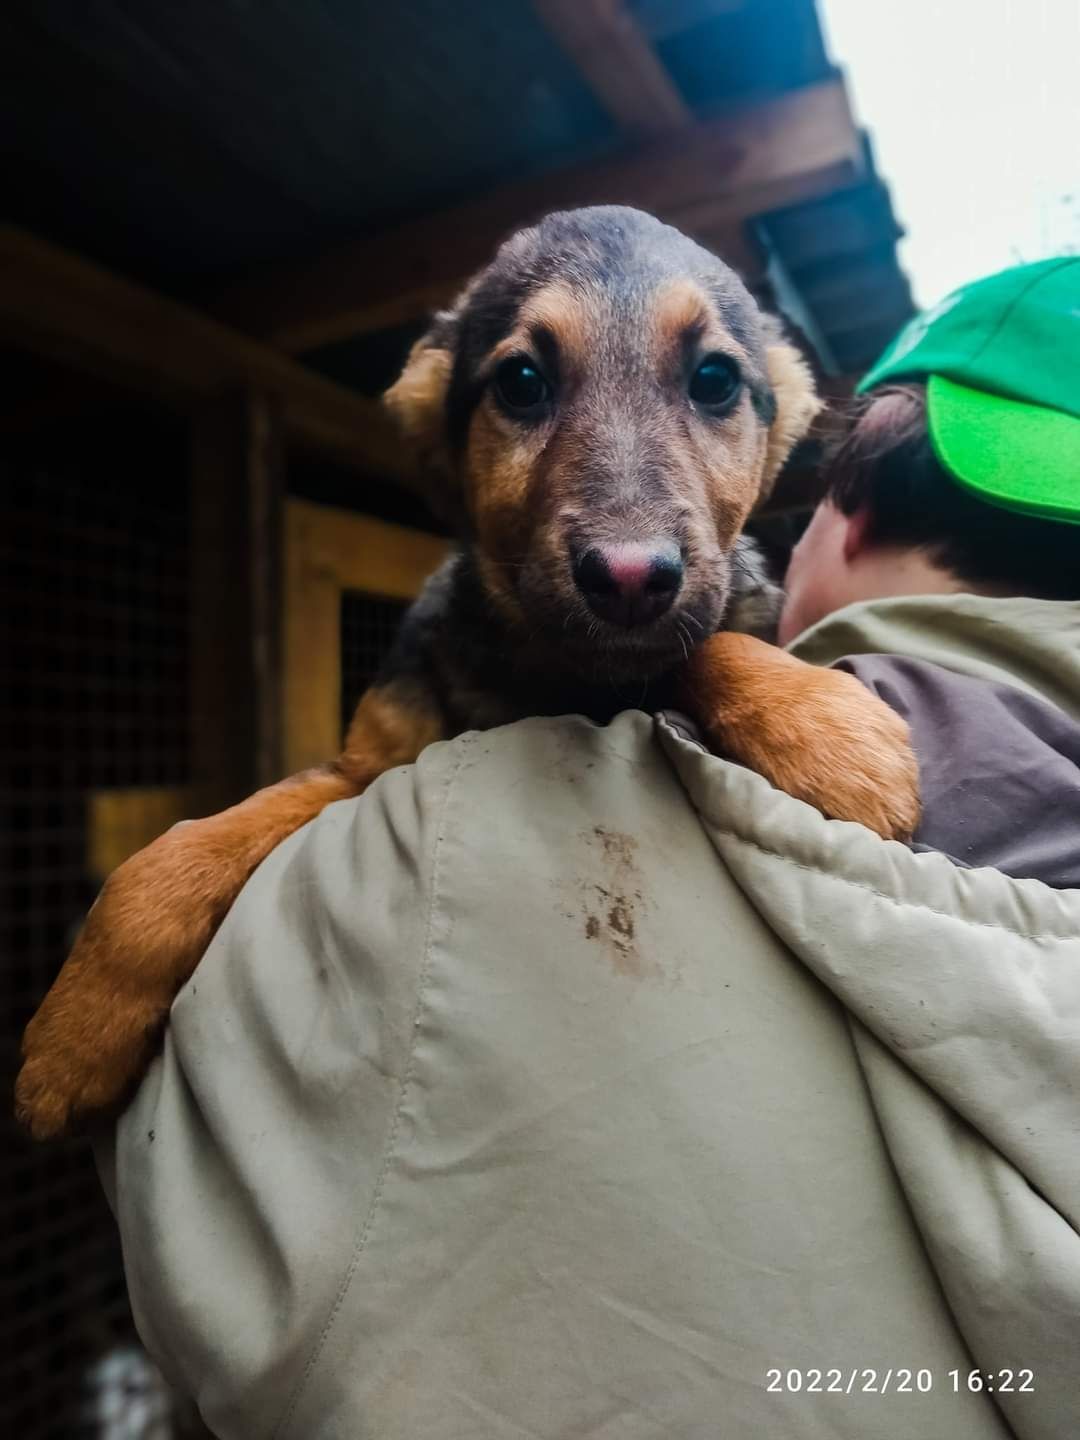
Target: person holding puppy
(959,482)
(575,1081)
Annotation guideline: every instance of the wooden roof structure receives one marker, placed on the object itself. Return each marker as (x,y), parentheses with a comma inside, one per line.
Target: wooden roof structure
(218,195)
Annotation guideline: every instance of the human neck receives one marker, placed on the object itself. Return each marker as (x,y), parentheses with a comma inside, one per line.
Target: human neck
(885,570)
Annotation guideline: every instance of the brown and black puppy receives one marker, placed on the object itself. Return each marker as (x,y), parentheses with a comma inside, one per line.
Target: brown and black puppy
(598,415)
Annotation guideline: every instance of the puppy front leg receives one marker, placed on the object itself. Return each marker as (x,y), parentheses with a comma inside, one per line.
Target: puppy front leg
(817,734)
(97,1028)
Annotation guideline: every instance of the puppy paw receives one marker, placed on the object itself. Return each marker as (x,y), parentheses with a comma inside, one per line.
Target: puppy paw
(96,1030)
(849,755)
(73,1070)
(819,735)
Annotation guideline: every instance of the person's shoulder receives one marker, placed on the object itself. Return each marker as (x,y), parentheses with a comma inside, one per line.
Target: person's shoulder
(921,688)
(536,761)
(501,787)
(999,766)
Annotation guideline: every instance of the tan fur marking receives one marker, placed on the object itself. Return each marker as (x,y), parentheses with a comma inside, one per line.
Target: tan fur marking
(734,462)
(416,402)
(680,306)
(390,726)
(736,479)
(499,464)
(501,458)
(564,311)
(499,588)
(797,403)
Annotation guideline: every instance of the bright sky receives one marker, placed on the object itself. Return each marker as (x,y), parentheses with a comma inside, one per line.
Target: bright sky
(973,107)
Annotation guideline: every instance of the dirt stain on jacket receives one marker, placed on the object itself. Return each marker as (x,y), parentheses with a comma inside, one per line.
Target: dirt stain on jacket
(612,901)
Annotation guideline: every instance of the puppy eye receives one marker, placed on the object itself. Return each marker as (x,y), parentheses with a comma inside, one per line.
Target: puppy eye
(520,386)
(715,382)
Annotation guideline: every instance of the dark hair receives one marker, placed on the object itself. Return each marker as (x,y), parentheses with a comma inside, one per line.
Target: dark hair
(885,462)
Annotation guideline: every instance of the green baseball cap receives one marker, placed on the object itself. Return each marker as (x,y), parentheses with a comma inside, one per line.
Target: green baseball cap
(1001,360)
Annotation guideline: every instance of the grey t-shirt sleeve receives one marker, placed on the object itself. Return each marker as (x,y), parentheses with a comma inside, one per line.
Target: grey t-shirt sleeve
(999,768)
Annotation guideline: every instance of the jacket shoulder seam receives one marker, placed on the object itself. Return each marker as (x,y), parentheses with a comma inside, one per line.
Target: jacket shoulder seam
(465,743)
(902,904)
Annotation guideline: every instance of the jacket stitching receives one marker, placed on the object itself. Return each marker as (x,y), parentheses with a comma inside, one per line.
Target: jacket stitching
(728,830)
(390,1146)
(893,899)
(1032,282)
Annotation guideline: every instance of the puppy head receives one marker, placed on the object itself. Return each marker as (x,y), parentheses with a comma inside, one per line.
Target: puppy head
(600,412)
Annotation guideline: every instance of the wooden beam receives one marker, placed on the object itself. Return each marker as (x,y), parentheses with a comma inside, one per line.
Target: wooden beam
(236,549)
(263,460)
(709,180)
(65,308)
(619,65)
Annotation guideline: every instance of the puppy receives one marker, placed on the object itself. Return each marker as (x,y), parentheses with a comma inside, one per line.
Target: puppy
(597,415)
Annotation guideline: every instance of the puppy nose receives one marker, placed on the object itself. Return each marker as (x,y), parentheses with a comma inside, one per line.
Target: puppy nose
(631,583)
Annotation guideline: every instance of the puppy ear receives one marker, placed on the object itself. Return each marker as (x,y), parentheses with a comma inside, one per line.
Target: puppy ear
(417,403)
(797,403)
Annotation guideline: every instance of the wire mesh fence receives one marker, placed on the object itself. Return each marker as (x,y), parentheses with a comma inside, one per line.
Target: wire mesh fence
(95,704)
(368,626)
(93,696)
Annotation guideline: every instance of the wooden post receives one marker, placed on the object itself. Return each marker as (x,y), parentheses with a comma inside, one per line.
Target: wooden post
(329,551)
(235,613)
(265,476)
